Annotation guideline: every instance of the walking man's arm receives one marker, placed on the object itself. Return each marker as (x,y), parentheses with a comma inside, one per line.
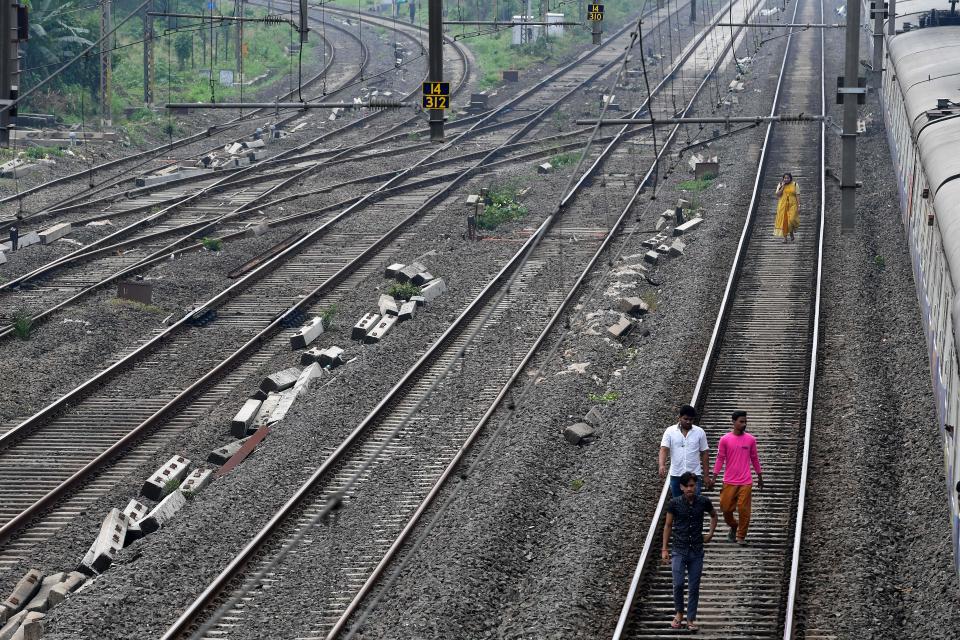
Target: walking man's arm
(713,524)
(755,460)
(667,528)
(718,463)
(663,461)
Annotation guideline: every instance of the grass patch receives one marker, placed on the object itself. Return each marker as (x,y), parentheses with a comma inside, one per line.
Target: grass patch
(328,315)
(403,290)
(696,186)
(170,486)
(22,323)
(212,244)
(879,262)
(37,153)
(651,299)
(609,396)
(576,484)
(565,159)
(503,207)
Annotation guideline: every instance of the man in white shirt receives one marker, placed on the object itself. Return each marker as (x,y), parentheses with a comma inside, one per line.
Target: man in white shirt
(687,445)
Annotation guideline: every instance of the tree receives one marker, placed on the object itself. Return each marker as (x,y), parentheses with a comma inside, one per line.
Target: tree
(183,47)
(56,37)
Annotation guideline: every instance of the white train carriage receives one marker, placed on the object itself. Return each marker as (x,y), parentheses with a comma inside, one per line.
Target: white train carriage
(921,99)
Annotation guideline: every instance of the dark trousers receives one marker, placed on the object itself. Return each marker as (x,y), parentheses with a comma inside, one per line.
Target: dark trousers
(687,563)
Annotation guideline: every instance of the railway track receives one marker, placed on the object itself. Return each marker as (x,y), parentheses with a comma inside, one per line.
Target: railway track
(762,359)
(253,312)
(524,292)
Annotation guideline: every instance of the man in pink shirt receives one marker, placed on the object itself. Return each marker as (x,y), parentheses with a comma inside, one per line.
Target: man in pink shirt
(738,450)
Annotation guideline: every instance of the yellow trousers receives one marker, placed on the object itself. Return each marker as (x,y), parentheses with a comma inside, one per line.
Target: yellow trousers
(736,496)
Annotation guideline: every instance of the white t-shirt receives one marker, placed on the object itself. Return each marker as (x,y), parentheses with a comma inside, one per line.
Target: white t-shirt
(685,451)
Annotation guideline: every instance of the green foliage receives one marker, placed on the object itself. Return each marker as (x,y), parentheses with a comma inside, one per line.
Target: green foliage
(36,153)
(22,323)
(170,486)
(609,396)
(696,186)
(328,315)
(576,484)
(403,291)
(563,159)
(212,244)
(879,262)
(503,207)
(651,299)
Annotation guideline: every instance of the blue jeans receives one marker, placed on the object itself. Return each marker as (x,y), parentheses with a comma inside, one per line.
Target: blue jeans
(690,562)
(675,486)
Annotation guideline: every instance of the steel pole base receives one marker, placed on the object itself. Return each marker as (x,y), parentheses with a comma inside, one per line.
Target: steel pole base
(436,125)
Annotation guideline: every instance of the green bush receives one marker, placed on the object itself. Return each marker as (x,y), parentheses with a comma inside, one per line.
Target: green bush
(36,153)
(328,315)
(22,324)
(503,207)
(563,159)
(403,291)
(212,244)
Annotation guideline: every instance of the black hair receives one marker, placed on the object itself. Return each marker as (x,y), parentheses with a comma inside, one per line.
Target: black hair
(789,174)
(686,477)
(687,410)
(738,414)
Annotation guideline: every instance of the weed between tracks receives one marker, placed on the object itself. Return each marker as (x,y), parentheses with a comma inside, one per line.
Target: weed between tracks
(609,396)
(212,244)
(22,324)
(503,206)
(403,291)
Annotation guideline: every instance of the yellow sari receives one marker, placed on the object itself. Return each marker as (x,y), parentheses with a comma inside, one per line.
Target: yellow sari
(788,211)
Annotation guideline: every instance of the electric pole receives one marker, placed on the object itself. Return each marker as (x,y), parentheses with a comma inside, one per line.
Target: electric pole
(148,60)
(892,18)
(693,11)
(878,10)
(106,67)
(435,53)
(6,68)
(238,11)
(850,92)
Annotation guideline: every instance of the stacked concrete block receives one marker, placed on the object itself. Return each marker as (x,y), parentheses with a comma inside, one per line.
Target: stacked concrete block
(173,471)
(60,590)
(421,278)
(55,232)
(407,311)
(393,270)
(109,541)
(280,380)
(687,226)
(135,512)
(408,272)
(388,305)
(433,290)
(381,330)
(197,480)
(224,453)
(244,418)
(41,601)
(163,512)
(364,325)
(307,333)
(26,588)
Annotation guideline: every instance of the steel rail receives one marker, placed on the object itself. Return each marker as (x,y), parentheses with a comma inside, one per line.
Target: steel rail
(23,518)
(712,348)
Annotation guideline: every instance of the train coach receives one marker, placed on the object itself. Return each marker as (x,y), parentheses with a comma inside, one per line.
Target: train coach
(920,93)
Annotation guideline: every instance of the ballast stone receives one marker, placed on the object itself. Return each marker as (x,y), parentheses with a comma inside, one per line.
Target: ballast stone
(281,380)
(364,325)
(55,232)
(381,330)
(244,418)
(108,543)
(307,333)
(174,470)
(163,512)
(687,226)
(26,588)
(580,433)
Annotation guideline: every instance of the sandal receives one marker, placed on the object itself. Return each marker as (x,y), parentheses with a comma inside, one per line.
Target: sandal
(677,622)
(693,627)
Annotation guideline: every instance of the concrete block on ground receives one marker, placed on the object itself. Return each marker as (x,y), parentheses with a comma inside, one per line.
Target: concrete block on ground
(224,453)
(288,397)
(393,270)
(60,590)
(663,249)
(254,144)
(163,512)
(265,413)
(307,333)
(381,329)
(31,628)
(633,305)
(421,278)
(258,230)
(135,511)
(687,226)
(55,232)
(108,543)
(233,148)
(280,380)
(259,394)
(197,480)
(408,272)
(621,328)
(593,417)
(419,300)
(3,258)
(174,470)
(244,418)
(682,203)
(26,588)
(311,355)
(433,290)
(651,256)
(364,325)
(331,357)
(650,243)
(407,311)
(546,167)
(41,601)
(388,305)
(580,433)
(677,247)
(12,627)
(28,239)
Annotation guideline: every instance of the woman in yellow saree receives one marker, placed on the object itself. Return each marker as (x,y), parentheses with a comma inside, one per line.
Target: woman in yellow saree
(788,209)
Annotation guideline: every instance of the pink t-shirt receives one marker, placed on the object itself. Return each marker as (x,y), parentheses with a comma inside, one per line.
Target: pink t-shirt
(738,452)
